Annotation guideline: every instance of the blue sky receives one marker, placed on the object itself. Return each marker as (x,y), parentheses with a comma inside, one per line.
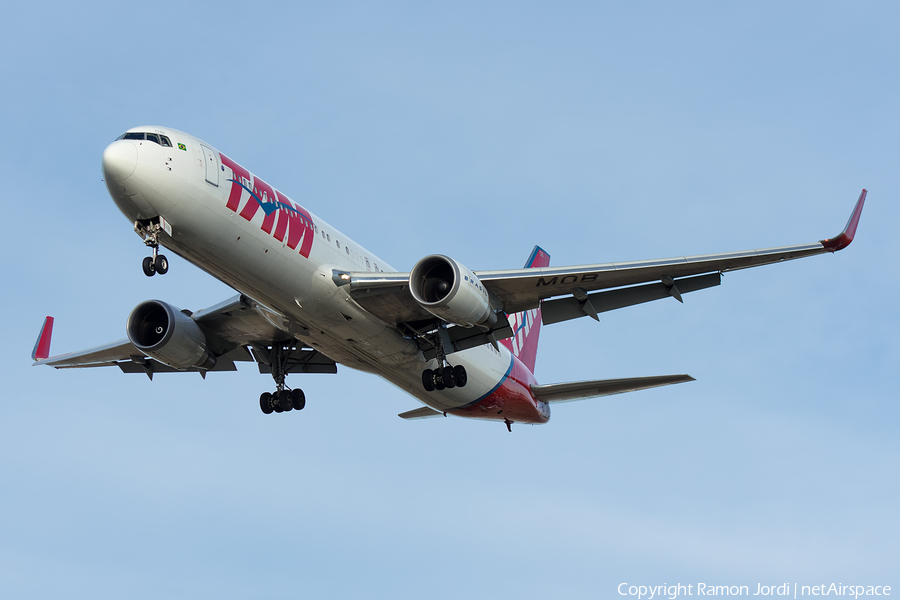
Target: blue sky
(601,132)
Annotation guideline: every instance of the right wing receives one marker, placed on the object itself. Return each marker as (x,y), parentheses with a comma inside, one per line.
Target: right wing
(237,330)
(387,294)
(524,288)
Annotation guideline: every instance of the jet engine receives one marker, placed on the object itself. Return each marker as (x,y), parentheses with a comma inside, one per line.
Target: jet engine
(451,292)
(163,332)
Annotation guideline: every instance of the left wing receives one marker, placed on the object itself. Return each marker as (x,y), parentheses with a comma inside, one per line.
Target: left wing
(237,330)
(387,294)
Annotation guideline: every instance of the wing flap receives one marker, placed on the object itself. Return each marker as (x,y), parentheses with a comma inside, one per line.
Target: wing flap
(564,309)
(579,390)
(149,366)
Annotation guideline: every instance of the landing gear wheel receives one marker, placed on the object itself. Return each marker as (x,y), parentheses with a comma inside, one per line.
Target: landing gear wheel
(161,264)
(428,380)
(265,402)
(449,377)
(298,399)
(277,407)
(284,400)
(147,265)
(439,381)
(462,378)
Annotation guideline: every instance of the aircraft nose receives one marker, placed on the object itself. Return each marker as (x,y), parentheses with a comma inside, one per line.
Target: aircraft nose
(119,160)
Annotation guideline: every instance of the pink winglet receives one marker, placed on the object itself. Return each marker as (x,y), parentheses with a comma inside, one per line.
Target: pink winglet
(42,345)
(843,240)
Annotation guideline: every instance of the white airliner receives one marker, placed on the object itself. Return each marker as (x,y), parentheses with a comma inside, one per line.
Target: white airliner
(462,343)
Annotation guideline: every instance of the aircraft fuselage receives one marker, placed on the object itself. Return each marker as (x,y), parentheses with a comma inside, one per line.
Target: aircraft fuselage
(246,233)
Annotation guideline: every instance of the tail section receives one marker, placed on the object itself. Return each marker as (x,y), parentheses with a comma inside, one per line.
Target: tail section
(527,324)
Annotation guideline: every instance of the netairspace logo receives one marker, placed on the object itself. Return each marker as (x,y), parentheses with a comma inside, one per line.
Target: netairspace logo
(785,590)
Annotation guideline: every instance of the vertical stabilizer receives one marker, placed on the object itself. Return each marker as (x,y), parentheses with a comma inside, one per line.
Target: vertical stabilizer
(527,324)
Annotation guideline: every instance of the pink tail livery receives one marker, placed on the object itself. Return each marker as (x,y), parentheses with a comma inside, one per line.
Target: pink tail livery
(527,324)
(512,398)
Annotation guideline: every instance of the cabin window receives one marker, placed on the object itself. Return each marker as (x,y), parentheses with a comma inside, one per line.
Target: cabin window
(347,248)
(337,242)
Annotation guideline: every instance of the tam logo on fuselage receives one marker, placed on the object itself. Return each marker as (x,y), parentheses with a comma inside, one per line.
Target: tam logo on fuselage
(280,212)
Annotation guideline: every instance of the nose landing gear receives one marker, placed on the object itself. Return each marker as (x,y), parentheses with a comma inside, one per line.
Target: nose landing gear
(157,263)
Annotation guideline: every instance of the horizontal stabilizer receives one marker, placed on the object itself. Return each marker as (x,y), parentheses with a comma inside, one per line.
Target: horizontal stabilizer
(421,413)
(579,390)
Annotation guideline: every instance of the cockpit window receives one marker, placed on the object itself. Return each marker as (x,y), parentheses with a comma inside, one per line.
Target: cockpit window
(150,137)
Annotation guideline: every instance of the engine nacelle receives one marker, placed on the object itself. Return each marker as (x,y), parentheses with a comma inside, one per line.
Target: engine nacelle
(163,332)
(451,292)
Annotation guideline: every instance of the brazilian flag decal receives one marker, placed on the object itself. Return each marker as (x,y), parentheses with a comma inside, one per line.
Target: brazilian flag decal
(182,147)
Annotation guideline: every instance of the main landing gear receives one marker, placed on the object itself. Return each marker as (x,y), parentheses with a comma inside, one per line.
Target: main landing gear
(157,263)
(282,399)
(446,377)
